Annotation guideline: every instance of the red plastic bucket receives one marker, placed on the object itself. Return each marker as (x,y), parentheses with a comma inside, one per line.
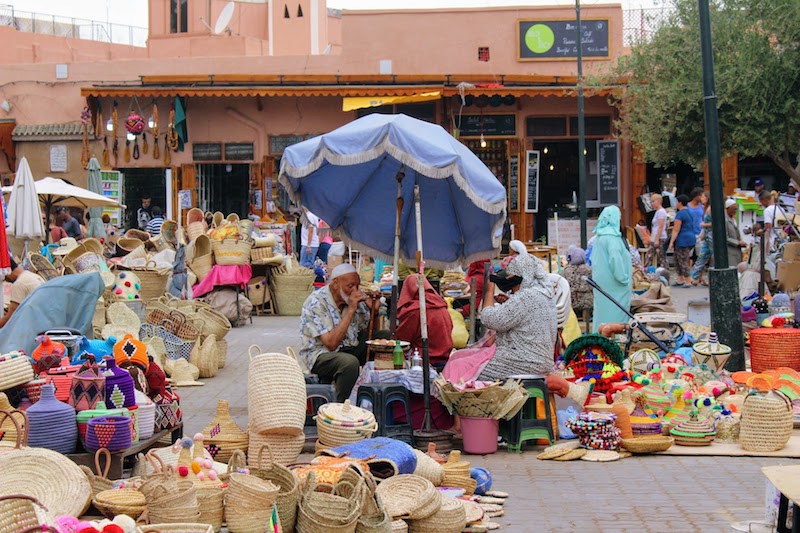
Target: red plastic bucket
(479,434)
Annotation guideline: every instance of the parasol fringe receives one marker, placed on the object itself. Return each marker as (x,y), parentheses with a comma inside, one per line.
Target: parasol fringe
(385,146)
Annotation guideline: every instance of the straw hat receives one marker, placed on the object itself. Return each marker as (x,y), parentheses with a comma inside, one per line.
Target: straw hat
(126,245)
(181,374)
(93,245)
(65,246)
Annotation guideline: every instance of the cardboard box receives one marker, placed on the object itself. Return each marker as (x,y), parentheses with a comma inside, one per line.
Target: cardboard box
(789,275)
(791,252)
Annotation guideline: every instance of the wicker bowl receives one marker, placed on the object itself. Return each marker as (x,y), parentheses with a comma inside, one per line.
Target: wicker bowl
(120,501)
(649,444)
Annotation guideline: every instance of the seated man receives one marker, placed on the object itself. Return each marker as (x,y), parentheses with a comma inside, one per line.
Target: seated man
(333,326)
(23,283)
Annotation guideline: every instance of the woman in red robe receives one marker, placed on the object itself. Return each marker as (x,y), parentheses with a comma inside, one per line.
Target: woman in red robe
(440,326)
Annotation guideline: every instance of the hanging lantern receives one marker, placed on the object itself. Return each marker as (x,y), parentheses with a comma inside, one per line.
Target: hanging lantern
(135,123)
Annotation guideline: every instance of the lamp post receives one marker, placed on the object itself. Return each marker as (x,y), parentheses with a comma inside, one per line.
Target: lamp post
(724,286)
(581,130)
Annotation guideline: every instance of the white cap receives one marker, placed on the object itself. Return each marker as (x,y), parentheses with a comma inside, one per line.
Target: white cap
(729,202)
(341,270)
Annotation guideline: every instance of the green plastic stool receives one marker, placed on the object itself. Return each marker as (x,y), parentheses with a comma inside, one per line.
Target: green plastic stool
(526,425)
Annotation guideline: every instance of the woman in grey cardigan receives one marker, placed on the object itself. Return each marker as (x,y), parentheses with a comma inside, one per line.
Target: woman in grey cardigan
(734,239)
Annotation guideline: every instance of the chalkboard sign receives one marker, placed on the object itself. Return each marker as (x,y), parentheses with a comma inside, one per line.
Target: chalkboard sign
(608,172)
(532,181)
(513,183)
(493,125)
(558,39)
(278,143)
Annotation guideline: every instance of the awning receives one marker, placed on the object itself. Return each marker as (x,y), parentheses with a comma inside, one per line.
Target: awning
(360,102)
(282,90)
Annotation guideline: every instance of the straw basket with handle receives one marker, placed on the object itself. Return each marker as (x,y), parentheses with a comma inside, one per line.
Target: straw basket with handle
(18,512)
(153,281)
(173,506)
(203,259)
(766,423)
(15,369)
(248,503)
(112,502)
(99,481)
(195,223)
(290,288)
(276,393)
(289,495)
(232,251)
(222,436)
(212,505)
(214,322)
(13,424)
(323,512)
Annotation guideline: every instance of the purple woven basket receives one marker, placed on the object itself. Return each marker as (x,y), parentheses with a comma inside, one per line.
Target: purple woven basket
(51,423)
(119,388)
(110,432)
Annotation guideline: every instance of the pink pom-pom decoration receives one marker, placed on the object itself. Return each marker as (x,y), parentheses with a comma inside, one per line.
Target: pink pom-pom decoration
(201,476)
(212,475)
(198,437)
(208,463)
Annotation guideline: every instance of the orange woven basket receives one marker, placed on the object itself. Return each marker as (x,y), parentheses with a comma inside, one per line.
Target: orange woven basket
(772,348)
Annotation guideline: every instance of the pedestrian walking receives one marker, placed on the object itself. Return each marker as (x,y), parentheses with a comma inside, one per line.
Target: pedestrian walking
(682,241)
(657,249)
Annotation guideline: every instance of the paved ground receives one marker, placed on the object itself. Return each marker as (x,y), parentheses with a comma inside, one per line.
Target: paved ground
(652,494)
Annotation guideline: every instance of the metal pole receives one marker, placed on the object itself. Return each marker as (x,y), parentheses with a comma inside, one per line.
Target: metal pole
(396,264)
(423,318)
(581,130)
(724,287)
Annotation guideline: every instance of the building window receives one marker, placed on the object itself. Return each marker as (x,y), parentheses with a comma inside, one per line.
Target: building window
(239,152)
(207,152)
(597,126)
(546,127)
(178,16)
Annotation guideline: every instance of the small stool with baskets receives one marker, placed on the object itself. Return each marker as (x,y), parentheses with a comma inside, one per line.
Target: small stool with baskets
(383,396)
(528,423)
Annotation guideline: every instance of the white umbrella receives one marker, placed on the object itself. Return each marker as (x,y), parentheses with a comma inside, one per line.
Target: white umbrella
(24,214)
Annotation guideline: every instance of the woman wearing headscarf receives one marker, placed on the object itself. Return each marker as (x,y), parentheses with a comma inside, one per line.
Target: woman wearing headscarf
(440,325)
(580,290)
(611,268)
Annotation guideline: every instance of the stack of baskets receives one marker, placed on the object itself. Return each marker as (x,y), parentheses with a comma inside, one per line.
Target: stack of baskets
(276,400)
(342,423)
(248,503)
(195,223)
(337,511)
(202,260)
(291,287)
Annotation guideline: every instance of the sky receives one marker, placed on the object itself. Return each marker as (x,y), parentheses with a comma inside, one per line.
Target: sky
(134,12)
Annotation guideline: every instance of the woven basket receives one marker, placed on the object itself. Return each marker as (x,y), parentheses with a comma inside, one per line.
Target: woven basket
(339,424)
(201,265)
(18,512)
(176,506)
(15,370)
(120,501)
(176,528)
(99,481)
(260,254)
(409,496)
(13,424)
(222,353)
(428,468)
(285,448)
(153,282)
(450,518)
(399,526)
(766,423)
(204,357)
(113,433)
(774,347)
(214,322)
(232,251)
(276,393)
(176,348)
(291,288)
(289,495)
(212,506)
(248,503)
(649,444)
(322,512)
(257,291)
(222,436)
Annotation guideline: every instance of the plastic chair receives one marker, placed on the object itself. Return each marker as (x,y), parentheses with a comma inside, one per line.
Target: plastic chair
(383,396)
(317,395)
(527,424)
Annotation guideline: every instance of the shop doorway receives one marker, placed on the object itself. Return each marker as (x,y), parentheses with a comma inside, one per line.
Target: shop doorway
(223,187)
(140,183)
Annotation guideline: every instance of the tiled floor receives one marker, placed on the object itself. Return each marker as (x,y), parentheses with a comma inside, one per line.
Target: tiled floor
(653,494)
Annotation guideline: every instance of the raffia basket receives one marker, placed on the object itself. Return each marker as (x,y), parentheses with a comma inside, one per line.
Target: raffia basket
(774,347)
(450,518)
(428,468)
(120,501)
(232,251)
(648,444)
(175,528)
(409,496)
(204,357)
(260,254)
(289,495)
(153,281)
(290,289)
(203,259)
(18,512)
(173,506)
(285,448)
(222,436)
(15,369)
(214,322)
(212,506)
(276,393)
(323,512)
(767,422)
(248,503)
(222,353)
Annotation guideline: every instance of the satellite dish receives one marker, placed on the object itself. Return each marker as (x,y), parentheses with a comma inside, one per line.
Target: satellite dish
(224,18)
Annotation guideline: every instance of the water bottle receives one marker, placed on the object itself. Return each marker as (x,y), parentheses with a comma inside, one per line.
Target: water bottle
(416,360)
(397,356)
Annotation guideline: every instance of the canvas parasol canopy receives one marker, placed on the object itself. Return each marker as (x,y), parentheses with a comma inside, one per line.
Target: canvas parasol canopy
(24,213)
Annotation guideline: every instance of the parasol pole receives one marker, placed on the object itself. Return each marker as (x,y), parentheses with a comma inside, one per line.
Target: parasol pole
(396,265)
(423,319)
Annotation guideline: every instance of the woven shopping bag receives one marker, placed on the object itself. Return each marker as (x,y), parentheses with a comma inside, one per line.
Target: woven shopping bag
(88,386)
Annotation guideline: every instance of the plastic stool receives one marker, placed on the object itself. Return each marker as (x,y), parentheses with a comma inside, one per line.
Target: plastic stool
(383,396)
(316,395)
(526,425)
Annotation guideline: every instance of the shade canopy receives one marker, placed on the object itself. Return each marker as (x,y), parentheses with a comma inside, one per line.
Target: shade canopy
(24,213)
(348,178)
(53,191)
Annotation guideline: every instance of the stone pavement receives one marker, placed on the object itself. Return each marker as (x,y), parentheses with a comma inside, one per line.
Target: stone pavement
(638,494)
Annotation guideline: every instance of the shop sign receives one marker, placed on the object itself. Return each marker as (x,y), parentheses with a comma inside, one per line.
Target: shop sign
(558,40)
(279,143)
(532,181)
(608,172)
(513,183)
(488,126)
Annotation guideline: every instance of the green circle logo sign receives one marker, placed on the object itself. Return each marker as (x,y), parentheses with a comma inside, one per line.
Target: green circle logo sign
(539,38)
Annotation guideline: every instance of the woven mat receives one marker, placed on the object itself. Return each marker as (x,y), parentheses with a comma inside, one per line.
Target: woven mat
(791,450)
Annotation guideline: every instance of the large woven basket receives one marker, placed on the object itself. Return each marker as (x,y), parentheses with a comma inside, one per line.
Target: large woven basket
(248,503)
(232,251)
(289,495)
(204,357)
(222,436)
(112,502)
(276,393)
(212,506)
(766,423)
(214,322)
(774,347)
(153,282)
(291,288)
(176,506)
(323,512)
(339,424)
(15,370)
(285,448)
(450,518)
(18,512)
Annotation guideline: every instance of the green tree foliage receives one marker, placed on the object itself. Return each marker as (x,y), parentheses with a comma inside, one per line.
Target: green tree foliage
(757,60)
